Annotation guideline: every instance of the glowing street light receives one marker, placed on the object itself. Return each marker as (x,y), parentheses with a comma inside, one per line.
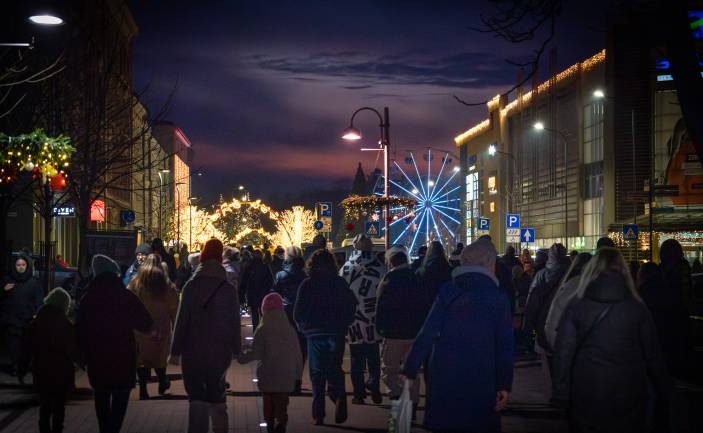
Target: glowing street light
(46,20)
(492,149)
(599,94)
(351,134)
(539,126)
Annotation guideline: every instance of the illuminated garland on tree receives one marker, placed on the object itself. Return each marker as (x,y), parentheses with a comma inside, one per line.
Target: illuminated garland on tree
(295,227)
(235,217)
(356,205)
(47,158)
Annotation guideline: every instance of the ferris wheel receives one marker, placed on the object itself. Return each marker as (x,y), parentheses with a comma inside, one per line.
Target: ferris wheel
(435,186)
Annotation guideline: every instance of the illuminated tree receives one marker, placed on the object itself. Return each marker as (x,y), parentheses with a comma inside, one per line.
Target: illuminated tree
(235,217)
(196,227)
(295,227)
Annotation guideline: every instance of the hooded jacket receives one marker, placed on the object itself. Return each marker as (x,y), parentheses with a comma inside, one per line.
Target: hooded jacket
(108,316)
(325,306)
(256,282)
(363,273)
(602,369)
(19,304)
(402,304)
(207,332)
(276,348)
(433,273)
(468,337)
(288,281)
(544,286)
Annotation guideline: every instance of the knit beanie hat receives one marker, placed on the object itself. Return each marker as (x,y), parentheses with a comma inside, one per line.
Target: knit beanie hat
(102,263)
(143,249)
(58,298)
(212,251)
(272,301)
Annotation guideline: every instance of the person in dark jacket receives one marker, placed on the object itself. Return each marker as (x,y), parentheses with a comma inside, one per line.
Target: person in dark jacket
(435,270)
(677,271)
(108,316)
(257,281)
(509,259)
(469,335)
(286,284)
(607,352)
(157,247)
(318,243)
(400,312)
(207,336)
(540,262)
(51,349)
(277,260)
(20,298)
(324,311)
(455,257)
(421,253)
(605,241)
(669,315)
(185,272)
(140,254)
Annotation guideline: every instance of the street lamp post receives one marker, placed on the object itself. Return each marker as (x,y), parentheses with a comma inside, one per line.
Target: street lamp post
(353,134)
(539,126)
(492,151)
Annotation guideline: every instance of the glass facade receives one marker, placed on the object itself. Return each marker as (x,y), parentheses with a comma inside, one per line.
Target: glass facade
(593,203)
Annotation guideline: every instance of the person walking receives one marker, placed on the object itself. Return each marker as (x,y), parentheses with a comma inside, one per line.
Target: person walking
(158,294)
(140,254)
(607,352)
(421,253)
(20,298)
(400,313)
(677,271)
(280,365)
(568,286)
(277,260)
(363,272)
(469,335)
(185,272)
(544,285)
(50,348)
(434,271)
(207,336)
(233,266)
(105,325)
(324,311)
(257,281)
(157,247)
(287,282)
(318,243)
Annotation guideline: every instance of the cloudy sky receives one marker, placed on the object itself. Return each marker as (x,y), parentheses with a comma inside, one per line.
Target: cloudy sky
(263,88)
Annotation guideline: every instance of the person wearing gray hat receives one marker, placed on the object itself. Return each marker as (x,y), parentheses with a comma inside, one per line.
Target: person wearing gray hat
(140,253)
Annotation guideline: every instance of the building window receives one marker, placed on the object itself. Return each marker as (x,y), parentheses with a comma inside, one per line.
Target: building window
(593,180)
(593,132)
(492,206)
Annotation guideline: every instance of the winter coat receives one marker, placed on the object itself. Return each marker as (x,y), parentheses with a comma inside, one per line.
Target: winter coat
(363,272)
(108,316)
(287,283)
(602,370)
(256,282)
(671,321)
(153,350)
(318,243)
(544,285)
(19,304)
(325,306)
(207,333)
(468,337)
(276,265)
(276,348)
(504,274)
(402,305)
(522,289)
(432,274)
(561,300)
(183,275)
(131,272)
(233,270)
(51,348)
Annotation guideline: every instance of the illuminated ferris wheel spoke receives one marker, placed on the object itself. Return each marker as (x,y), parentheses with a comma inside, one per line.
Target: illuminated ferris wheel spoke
(447,207)
(451,233)
(404,189)
(409,225)
(434,224)
(439,176)
(446,201)
(449,181)
(419,178)
(416,195)
(412,244)
(448,216)
(448,192)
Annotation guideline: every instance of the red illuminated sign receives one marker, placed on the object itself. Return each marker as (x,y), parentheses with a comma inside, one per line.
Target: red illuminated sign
(97,211)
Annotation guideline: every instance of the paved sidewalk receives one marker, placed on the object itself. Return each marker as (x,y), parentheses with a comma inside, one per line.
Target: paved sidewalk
(528,411)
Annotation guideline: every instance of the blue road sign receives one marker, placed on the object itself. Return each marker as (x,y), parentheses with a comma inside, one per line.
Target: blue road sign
(373,229)
(527,234)
(512,221)
(630,232)
(324,209)
(319,225)
(484,223)
(127,216)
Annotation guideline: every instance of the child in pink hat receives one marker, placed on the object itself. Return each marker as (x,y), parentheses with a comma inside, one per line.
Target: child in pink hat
(276,348)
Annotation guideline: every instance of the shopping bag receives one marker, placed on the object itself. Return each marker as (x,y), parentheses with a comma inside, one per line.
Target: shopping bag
(401,412)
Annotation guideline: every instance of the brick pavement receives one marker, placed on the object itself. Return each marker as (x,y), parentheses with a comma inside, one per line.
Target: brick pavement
(527,412)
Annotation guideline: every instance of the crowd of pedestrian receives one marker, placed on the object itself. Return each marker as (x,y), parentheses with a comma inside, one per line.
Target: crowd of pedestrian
(456,318)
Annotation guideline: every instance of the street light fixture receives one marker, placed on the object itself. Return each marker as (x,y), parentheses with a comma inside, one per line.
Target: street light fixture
(599,94)
(492,150)
(539,126)
(46,19)
(353,134)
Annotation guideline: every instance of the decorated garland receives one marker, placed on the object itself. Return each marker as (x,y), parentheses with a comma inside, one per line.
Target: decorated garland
(355,205)
(45,157)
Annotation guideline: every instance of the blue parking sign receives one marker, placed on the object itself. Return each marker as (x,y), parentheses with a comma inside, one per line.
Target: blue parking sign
(324,209)
(484,223)
(512,221)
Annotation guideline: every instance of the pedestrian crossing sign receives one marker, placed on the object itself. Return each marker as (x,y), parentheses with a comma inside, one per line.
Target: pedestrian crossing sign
(630,232)
(373,229)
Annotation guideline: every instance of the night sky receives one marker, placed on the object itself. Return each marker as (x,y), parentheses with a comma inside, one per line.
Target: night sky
(264,88)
